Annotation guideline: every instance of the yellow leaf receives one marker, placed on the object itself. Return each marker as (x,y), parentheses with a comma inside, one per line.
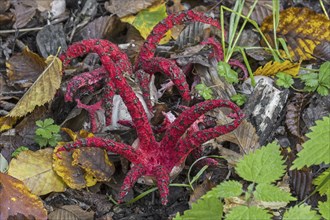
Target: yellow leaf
(7,123)
(146,20)
(16,198)
(43,89)
(35,170)
(273,67)
(301,28)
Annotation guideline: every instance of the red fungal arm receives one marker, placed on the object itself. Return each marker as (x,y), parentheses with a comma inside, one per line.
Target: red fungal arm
(125,150)
(149,47)
(188,117)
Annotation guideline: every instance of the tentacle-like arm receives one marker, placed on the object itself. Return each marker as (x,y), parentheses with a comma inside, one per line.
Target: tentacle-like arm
(125,150)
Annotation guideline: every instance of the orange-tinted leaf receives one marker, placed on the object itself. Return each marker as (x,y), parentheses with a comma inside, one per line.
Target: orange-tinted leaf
(16,198)
(302,29)
(43,89)
(273,67)
(35,170)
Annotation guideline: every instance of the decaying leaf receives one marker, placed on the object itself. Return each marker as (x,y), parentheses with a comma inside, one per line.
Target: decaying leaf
(24,12)
(146,19)
(35,170)
(123,8)
(7,123)
(301,28)
(292,117)
(16,198)
(273,67)
(321,51)
(25,66)
(82,167)
(43,89)
(72,212)
(262,9)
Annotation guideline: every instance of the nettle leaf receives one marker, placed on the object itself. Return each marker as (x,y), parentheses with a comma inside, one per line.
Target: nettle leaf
(284,80)
(204,91)
(324,209)
(246,213)
(211,207)
(323,183)
(225,71)
(271,193)
(317,149)
(301,212)
(265,165)
(226,189)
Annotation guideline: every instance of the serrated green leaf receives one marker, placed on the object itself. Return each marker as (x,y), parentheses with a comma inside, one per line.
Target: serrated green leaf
(309,76)
(210,208)
(43,133)
(19,150)
(40,123)
(48,121)
(53,128)
(225,70)
(323,183)
(247,213)
(204,91)
(324,209)
(239,99)
(225,190)
(324,74)
(270,193)
(265,165)
(284,80)
(301,212)
(322,90)
(317,149)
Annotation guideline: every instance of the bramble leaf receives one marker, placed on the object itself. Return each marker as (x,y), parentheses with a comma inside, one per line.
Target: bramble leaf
(323,183)
(271,193)
(225,189)
(324,209)
(317,149)
(246,213)
(210,208)
(239,99)
(284,80)
(265,165)
(204,91)
(301,212)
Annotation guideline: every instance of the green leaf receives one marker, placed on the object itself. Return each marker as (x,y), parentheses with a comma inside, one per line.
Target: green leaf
(322,90)
(225,190)
(204,91)
(225,70)
(317,149)
(40,123)
(323,183)
(43,133)
(270,193)
(48,121)
(210,208)
(324,74)
(19,150)
(324,209)
(239,99)
(53,128)
(301,212)
(246,213)
(265,165)
(284,80)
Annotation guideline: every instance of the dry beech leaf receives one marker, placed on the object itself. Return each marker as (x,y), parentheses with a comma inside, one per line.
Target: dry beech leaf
(4,6)
(100,28)
(95,162)
(43,89)
(244,136)
(24,12)
(71,212)
(16,198)
(322,51)
(262,9)
(301,28)
(25,66)
(292,117)
(35,170)
(273,67)
(201,189)
(123,8)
